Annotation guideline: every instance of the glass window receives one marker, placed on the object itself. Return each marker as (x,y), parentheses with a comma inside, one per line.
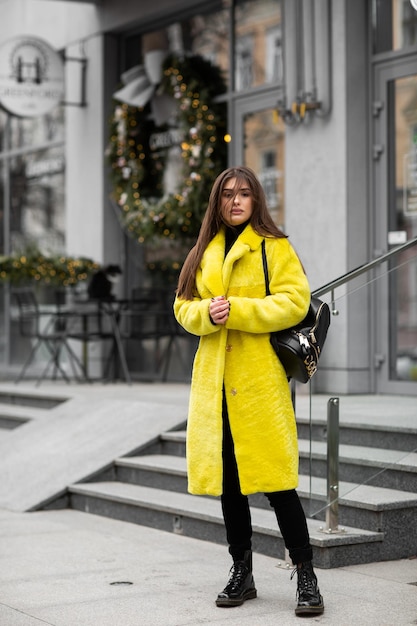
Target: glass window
(32,202)
(274,61)
(258,47)
(244,63)
(2,199)
(33,131)
(32,182)
(403,214)
(242,38)
(405,33)
(37,215)
(210,37)
(264,134)
(395,25)
(3,121)
(206,34)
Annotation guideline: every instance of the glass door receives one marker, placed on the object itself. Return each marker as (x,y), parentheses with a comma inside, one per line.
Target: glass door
(258,142)
(395,158)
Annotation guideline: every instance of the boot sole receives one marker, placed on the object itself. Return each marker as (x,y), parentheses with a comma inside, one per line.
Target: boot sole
(228,602)
(311,610)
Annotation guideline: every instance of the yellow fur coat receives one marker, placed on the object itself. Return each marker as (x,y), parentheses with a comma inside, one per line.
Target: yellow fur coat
(239,357)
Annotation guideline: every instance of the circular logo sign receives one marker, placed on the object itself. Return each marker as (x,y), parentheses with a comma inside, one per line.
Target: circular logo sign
(31,77)
(414,4)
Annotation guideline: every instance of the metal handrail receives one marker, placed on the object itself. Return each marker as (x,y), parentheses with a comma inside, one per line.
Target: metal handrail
(363,268)
(332,514)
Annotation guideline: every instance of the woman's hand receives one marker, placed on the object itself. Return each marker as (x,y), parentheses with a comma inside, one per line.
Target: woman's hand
(219,310)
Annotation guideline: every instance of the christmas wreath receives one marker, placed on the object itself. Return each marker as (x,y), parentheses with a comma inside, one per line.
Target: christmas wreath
(138,153)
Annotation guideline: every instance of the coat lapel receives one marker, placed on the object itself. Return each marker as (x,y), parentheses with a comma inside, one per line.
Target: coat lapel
(247,241)
(212,263)
(216,269)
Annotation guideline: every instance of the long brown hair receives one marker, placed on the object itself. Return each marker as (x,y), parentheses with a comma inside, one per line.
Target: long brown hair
(261,221)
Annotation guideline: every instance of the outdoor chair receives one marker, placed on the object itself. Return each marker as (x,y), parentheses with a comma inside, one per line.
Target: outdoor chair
(95,321)
(149,317)
(44,329)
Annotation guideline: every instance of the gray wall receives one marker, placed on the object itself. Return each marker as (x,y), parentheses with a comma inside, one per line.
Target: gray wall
(327,197)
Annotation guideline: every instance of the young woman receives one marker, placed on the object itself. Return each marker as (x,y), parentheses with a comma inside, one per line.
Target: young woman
(241,434)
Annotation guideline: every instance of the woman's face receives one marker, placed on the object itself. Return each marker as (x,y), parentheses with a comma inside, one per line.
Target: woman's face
(236,203)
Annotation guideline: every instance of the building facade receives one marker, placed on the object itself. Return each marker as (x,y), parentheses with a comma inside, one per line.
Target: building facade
(319,97)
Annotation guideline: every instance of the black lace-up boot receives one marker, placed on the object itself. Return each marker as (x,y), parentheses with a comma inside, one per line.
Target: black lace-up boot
(241,585)
(309,600)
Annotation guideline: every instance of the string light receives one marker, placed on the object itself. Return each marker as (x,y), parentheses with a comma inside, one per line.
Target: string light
(193,82)
(61,271)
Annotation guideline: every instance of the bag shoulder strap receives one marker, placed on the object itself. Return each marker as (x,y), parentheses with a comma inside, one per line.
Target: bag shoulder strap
(265,266)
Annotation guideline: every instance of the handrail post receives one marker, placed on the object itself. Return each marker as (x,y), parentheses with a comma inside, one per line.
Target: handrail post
(332,511)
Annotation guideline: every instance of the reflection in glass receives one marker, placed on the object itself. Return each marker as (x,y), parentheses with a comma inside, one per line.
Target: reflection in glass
(37,211)
(394,25)
(29,132)
(264,153)
(2,194)
(209,36)
(206,34)
(403,281)
(32,202)
(32,183)
(258,47)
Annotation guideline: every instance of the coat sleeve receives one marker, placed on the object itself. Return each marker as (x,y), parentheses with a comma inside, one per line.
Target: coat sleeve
(193,315)
(290,294)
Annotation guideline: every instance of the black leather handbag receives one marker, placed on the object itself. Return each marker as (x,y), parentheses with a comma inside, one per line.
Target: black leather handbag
(299,348)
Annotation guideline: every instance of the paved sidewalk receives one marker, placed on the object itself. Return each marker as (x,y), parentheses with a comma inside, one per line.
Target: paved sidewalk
(66,568)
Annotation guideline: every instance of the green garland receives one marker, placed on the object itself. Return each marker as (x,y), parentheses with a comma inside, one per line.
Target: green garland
(35,267)
(137,173)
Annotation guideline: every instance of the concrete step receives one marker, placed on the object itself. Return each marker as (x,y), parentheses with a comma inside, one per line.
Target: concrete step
(391,468)
(371,435)
(172,443)
(201,517)
(19,406)
(12,415)
(395,469)
(31,398)
(377,509)
(166,471)
(376,519)
(372,508)
(160,471)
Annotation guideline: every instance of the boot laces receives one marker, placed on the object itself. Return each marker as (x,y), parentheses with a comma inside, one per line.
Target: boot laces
(306,582)
(238,573)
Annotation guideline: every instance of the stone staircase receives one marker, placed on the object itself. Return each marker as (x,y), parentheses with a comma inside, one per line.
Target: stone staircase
(146,484)
(376,519)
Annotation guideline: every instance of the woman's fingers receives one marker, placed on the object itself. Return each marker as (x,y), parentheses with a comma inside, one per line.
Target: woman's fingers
(219,309)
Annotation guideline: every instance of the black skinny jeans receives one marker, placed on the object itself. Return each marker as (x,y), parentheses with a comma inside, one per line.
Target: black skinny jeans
(236,513)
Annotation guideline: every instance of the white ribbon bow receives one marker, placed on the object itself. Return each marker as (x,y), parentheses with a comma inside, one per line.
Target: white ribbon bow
(140,85)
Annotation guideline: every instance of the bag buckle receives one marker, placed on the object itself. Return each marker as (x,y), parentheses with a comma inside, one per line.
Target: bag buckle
(304,342)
